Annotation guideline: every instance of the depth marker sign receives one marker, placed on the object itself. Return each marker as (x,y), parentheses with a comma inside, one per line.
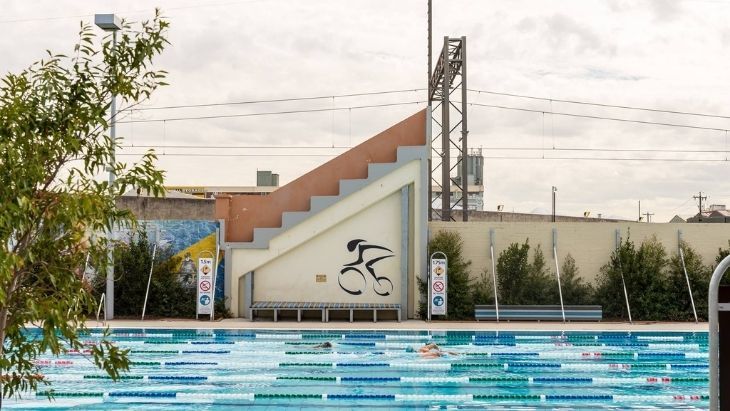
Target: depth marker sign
(205,289)
(438,286)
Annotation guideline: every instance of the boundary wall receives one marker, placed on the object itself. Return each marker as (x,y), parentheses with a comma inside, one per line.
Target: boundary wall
(589,244)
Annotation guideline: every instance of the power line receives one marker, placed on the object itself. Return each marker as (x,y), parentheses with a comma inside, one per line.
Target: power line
(159,155)
(654,110)
(319,110)
(278,100)
(586,149)
(623,120)
(234,147)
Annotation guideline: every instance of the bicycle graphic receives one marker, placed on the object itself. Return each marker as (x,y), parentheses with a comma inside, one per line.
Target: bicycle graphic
(353,273)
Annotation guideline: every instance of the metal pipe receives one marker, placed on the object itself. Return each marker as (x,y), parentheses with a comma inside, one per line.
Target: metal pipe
(215,269)
(149,280)
(101,305)
(557,272)
(109,309)
(494,273)
(689,287)
(714,354)
(621,270)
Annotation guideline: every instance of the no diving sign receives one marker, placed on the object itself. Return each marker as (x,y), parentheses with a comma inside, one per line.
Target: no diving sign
(205,286)
(438,286)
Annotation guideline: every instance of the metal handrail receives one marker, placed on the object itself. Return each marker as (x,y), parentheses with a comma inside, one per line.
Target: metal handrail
(149,280)
(560,288)
(557,271)
(494,282)
(714,332)
(101,305)
(689,287)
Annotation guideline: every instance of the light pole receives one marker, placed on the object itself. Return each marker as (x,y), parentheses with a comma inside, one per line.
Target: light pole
(555,189)
(110,22)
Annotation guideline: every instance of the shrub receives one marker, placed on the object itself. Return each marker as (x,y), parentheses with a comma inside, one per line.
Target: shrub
(512,273)
(459,293)
(167,296)
(575,291)
(483,291)
(646,281)
(699,278)
(522,282)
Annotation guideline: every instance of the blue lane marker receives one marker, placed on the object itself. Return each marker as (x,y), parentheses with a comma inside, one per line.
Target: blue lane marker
(155,394)
(362,364)
(178,377)
(190,363)
(370,379)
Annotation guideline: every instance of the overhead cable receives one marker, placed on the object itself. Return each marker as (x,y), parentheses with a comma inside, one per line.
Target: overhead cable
(654,110)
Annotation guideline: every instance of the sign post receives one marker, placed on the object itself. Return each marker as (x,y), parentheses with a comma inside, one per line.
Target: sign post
(205,286)
(437,285)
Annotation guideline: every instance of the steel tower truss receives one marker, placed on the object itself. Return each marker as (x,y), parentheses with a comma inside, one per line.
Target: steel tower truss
(447,116)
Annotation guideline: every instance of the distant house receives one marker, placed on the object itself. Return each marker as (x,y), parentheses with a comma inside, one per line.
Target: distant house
(717,213)
(677,219)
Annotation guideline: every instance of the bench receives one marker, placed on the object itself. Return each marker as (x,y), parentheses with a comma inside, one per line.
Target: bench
(324,308)
(539,312)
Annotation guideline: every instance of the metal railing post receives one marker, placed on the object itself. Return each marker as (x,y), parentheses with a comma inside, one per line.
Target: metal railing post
(149,280)
(557,271)
(621,269)
(714,354)
(494,272)
(101,305)
(686,276)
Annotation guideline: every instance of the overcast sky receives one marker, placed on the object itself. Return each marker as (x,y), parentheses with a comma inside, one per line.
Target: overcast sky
(664,54)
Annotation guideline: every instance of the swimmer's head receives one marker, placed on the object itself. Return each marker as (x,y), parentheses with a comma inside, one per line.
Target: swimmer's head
(410,349)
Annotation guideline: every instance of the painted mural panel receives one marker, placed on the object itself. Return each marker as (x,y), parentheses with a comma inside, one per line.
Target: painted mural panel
(188,240)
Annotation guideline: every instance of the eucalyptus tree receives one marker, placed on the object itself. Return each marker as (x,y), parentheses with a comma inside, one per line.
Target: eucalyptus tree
(54,205)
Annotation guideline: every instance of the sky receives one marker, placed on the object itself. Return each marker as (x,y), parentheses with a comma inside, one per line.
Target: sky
(661,54)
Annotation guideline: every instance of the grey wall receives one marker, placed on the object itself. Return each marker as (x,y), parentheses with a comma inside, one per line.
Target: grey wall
(150,208)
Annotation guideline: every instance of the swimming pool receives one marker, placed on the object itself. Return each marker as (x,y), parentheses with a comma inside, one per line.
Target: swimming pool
(218,369)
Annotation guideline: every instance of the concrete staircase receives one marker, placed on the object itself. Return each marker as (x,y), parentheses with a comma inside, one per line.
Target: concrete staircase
(317,204)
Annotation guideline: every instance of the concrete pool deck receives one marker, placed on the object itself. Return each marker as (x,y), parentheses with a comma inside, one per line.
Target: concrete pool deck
(243,324)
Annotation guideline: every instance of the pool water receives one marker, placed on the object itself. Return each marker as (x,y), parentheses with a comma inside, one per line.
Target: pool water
(219,369)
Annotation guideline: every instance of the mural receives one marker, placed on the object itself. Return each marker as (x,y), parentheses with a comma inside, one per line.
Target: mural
(354,281)
(188,240)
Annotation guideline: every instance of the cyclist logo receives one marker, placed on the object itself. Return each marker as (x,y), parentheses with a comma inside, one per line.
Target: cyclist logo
(354,280)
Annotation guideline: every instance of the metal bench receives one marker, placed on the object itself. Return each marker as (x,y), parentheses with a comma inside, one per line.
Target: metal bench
(324,308)
(539,312)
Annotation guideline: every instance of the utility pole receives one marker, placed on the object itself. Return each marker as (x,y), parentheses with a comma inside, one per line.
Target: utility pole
(700,197)
(648,216)
(639,211)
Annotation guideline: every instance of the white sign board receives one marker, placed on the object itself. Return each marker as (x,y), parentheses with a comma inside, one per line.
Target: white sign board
(438,286)
(205,286)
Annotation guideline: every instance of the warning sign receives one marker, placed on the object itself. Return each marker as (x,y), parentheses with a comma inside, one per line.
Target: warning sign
(205,285)
(438,286)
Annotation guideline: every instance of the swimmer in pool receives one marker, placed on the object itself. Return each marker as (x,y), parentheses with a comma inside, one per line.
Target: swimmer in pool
(432,350)
(325,344)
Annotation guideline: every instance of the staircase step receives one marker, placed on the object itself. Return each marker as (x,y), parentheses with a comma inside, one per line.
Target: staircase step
(319,203)
(377,170)
(262,236)
(348,187)
(291,218)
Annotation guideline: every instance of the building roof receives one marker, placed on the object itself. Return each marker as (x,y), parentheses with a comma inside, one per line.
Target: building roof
(167,194)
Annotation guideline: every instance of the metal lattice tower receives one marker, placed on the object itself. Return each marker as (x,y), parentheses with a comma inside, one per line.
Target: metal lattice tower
(447,116)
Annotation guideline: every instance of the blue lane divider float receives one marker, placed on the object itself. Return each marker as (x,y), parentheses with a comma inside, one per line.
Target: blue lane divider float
(444,366)
(460,398)
(514,380)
